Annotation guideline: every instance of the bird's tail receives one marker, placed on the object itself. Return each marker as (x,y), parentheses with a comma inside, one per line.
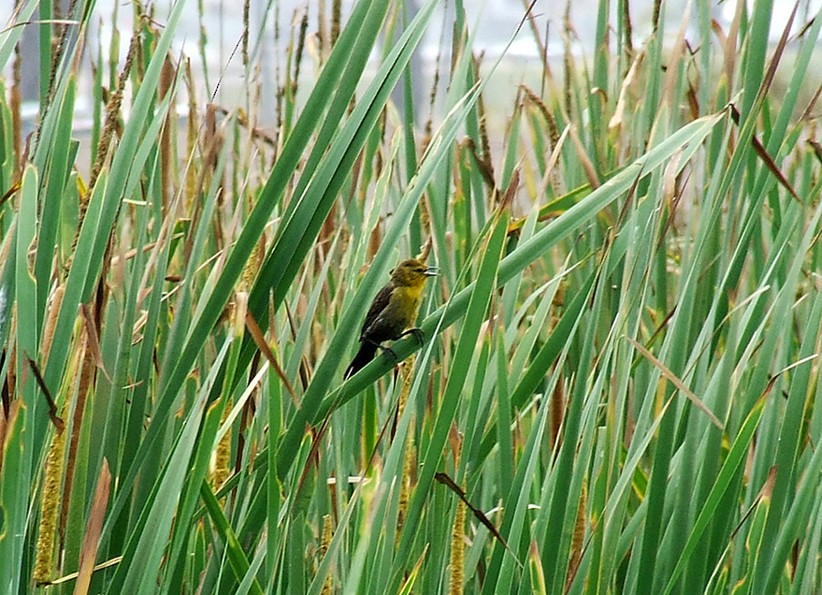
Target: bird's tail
(364,355)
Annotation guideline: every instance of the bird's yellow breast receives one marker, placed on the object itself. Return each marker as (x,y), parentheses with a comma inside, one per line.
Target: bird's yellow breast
(407,300)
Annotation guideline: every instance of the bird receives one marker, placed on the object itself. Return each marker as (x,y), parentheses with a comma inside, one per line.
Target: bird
(393,311)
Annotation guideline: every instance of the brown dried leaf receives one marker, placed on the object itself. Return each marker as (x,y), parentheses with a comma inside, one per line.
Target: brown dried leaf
(91,539)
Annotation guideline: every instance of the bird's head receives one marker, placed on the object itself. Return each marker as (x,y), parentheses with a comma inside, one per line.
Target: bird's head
(412,273)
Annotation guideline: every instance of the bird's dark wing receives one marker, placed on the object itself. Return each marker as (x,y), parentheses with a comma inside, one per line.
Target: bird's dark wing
(379,304)
(365,354)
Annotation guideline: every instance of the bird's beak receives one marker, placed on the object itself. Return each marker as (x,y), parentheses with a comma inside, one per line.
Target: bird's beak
(431,272)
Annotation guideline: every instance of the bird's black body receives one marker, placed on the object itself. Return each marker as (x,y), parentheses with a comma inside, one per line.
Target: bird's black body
(393,310)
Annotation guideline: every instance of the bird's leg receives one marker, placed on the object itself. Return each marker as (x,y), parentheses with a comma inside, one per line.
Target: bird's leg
(417,332)
(385,348)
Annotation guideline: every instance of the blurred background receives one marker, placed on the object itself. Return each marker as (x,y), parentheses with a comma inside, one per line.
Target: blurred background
(211,33)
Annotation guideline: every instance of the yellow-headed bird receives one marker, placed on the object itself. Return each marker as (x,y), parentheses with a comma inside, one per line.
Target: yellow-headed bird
(393,311)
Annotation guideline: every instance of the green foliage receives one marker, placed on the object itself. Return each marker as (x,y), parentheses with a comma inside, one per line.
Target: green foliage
(620,362)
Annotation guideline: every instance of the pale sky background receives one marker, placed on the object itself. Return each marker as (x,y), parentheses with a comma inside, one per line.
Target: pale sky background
(492,22)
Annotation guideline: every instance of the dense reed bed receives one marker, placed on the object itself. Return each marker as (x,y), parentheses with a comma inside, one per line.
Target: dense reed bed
(617,391)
